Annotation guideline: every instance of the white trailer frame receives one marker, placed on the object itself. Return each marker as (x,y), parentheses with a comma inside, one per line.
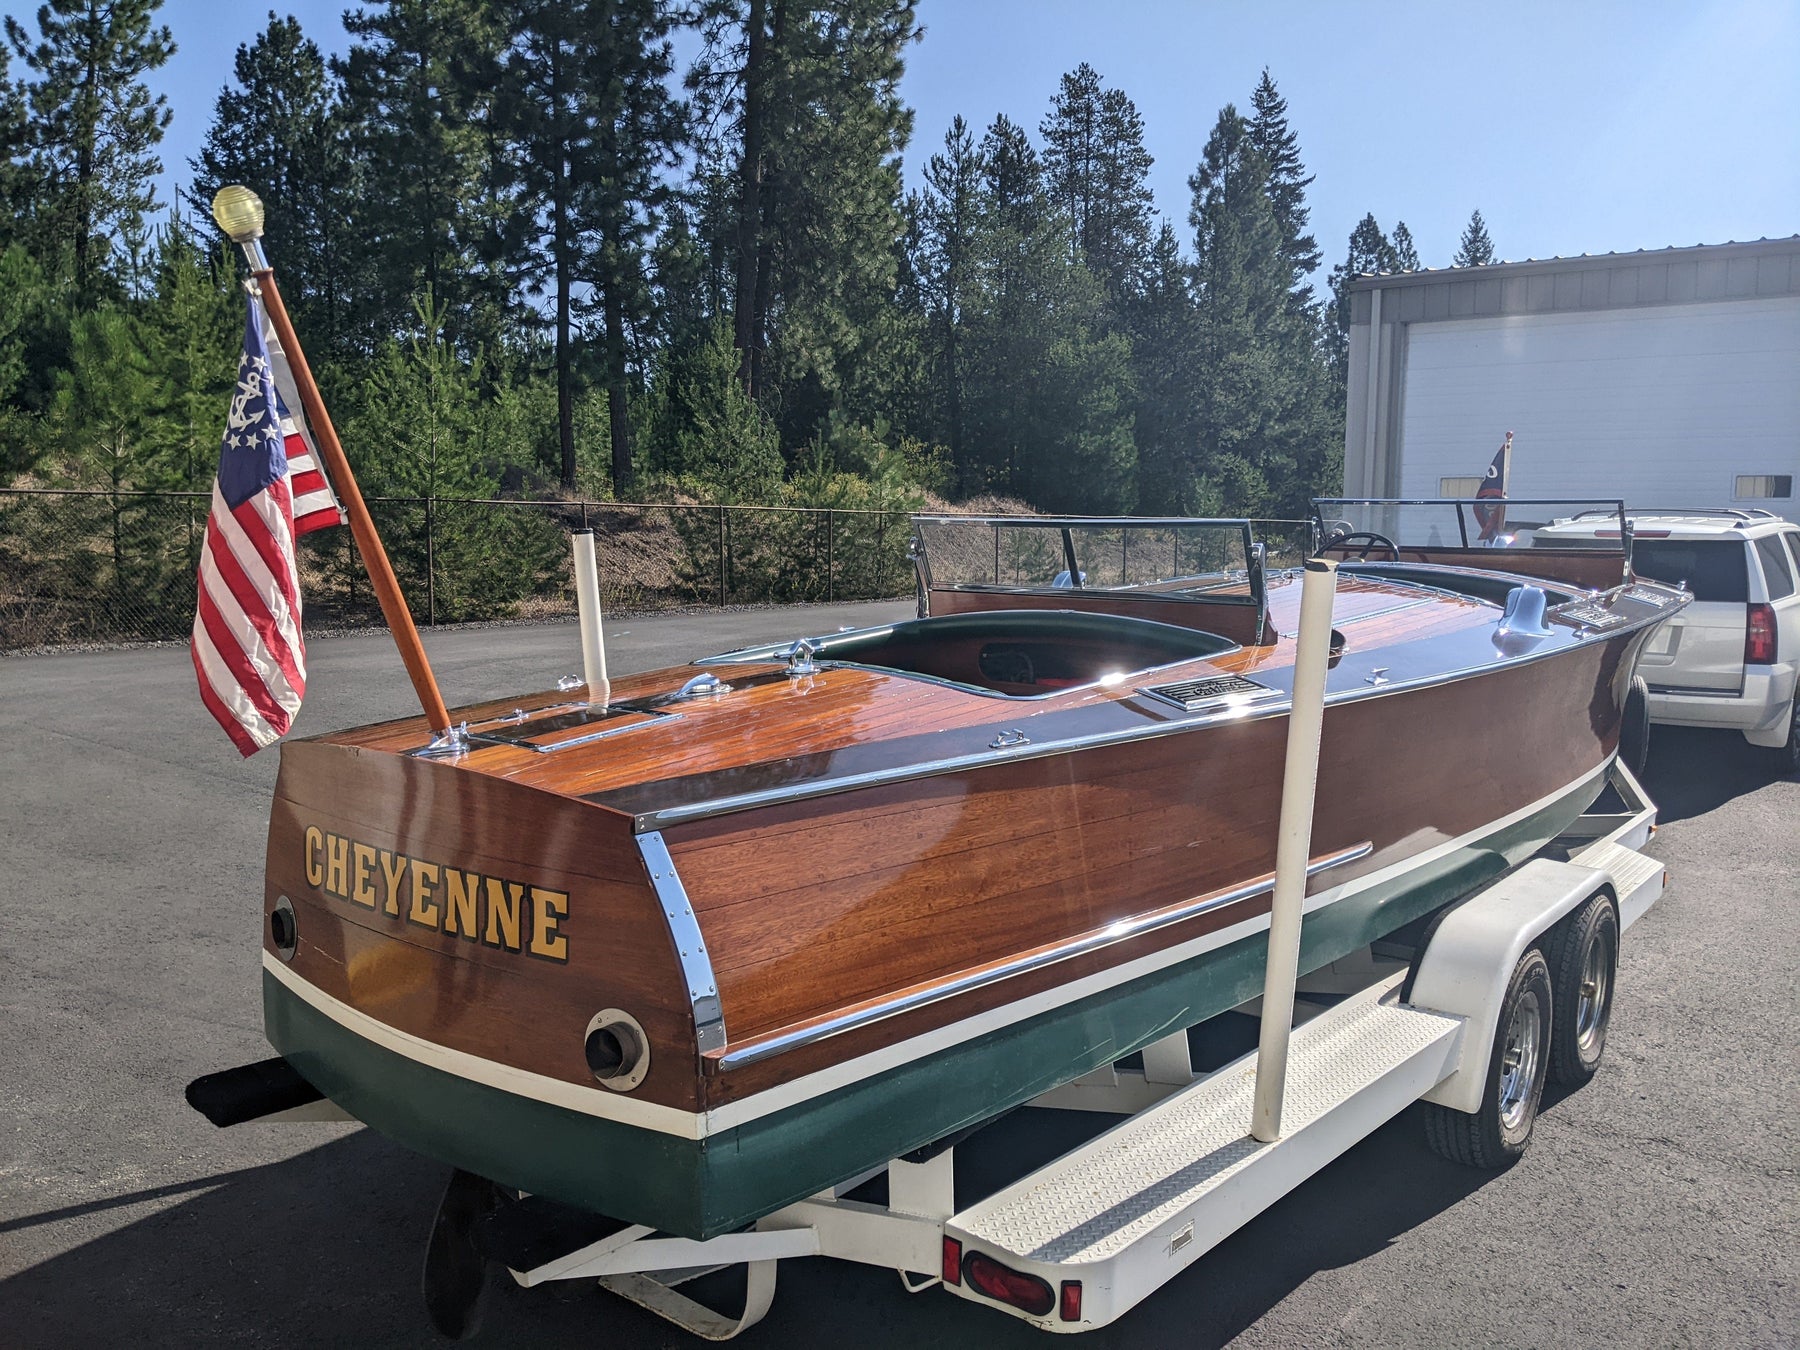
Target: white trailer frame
(1108,1223)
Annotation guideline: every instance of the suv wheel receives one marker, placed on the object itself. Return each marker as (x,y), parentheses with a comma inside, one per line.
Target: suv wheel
(1786,758)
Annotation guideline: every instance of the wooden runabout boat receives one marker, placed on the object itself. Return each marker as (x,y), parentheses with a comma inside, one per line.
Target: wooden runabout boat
(761,924)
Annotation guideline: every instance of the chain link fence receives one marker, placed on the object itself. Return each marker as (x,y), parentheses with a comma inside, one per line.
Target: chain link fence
(94,566)
(97,566)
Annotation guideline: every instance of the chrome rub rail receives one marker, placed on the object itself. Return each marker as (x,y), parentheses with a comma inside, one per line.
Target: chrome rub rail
(754,1051)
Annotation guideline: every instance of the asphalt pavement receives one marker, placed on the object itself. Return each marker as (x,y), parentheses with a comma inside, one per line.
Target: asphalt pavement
(1658,1206)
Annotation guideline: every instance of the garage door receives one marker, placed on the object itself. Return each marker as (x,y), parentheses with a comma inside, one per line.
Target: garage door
(1665,406)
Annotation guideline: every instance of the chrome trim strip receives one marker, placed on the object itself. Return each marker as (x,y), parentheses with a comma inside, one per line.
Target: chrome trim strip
(690,947)
(754,1051)
(825,787)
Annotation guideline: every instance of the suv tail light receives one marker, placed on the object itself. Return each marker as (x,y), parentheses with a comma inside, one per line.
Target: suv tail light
(1760,636)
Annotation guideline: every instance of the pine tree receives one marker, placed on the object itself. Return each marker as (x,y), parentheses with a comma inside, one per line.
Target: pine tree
(1165,337)
(950,228)
(1370,253)
(1288,180)
(810,104)
(1475,249)
(190,329)
(16,188)
(419,84)
(94,126)
(1049,389)
(1262,401)
(1406,256)
(1015,177)
(1097,173)
(591,124)
(280,131)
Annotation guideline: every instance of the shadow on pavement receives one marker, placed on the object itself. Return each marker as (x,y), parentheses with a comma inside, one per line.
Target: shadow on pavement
(325,1249)
(1693,771)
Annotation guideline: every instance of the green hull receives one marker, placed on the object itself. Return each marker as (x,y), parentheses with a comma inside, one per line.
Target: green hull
(701,1188)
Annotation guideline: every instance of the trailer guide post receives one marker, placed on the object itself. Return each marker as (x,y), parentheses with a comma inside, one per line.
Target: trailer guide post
(1293,847)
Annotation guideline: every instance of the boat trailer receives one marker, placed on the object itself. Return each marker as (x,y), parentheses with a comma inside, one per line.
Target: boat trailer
(1076,1244)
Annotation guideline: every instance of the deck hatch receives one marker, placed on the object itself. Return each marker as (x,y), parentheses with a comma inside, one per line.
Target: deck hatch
(1215,690)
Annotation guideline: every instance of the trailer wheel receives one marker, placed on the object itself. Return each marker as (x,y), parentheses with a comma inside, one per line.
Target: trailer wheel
(1584,966)
(1499,1132)
(1634,727)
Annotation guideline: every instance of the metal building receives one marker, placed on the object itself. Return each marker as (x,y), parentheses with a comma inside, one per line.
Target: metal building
(1670,378)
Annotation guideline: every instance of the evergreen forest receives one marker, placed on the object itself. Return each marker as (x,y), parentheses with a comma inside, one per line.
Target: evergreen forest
(534,253)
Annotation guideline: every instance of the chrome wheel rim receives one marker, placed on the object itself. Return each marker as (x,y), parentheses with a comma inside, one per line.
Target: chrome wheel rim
(1595,995)
(1519,1061)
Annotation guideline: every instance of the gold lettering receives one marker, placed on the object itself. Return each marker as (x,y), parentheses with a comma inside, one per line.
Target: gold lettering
(504,899)
(393,870)
(314,852)
(424,881)
(460,890)
(509,915)
(362,874)
(548,908)
(337,866)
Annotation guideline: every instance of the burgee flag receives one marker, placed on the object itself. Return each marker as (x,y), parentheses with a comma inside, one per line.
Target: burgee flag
(1492,519)
(270,489)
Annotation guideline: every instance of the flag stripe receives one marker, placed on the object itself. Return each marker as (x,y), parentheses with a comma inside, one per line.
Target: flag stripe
(256,632)
(248,686)
(267,558)
(224,699)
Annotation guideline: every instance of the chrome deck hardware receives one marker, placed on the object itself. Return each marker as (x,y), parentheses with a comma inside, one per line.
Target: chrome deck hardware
(800,658)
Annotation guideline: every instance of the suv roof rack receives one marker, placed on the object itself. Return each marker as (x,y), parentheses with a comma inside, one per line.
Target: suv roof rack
(1743,515)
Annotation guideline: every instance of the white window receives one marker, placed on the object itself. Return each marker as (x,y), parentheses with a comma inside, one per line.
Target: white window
(1755,486)
(1465,487)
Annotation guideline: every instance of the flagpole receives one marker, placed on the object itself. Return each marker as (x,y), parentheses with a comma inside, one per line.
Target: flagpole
(239,213)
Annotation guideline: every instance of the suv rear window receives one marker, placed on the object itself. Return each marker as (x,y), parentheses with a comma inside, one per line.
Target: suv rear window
(1775,567)
(1713,569)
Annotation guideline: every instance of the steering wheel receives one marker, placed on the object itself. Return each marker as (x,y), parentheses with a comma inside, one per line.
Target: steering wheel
(1369,539)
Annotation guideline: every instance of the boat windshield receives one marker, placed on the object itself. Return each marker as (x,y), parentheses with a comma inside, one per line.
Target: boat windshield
(1466,523)
(1084,553)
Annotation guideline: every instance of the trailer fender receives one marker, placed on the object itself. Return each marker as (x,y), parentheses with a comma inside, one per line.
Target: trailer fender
(1465,966)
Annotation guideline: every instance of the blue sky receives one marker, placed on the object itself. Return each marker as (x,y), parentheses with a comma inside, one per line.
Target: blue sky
(1575,128)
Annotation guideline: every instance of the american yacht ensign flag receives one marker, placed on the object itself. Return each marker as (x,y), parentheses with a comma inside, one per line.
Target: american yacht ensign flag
(270,489)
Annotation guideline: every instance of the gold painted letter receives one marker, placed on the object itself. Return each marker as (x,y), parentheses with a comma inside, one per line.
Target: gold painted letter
(460,892)
(393,870)
(314,852)
(504,900)
(548,908)
(424,882)
(362,887)
(337,866)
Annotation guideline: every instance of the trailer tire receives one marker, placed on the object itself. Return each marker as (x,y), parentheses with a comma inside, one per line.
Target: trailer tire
(1584,968)
(1499,1132)
(1634,727)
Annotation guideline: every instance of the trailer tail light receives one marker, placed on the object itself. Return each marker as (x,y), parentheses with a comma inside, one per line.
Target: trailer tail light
(952,1261)
(1759,636)
(1071,1300)
(1028,1293)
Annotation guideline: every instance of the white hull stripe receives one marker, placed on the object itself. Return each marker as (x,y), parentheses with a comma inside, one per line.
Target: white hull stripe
(698,1125)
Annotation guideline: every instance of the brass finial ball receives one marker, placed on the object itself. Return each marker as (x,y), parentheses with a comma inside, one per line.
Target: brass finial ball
(239,212)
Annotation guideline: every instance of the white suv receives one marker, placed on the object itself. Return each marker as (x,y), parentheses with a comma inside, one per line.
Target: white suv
(1729,659)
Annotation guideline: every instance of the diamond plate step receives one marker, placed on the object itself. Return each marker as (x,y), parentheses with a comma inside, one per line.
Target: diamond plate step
(1183,1174)
(1639,878)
